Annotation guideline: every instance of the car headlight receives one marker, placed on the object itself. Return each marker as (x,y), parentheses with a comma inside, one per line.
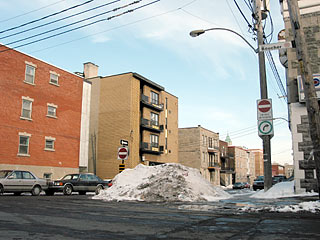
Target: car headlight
(58,184)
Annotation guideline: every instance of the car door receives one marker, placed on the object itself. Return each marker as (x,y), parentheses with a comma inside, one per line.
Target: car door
(83,183)
(93,182)
(13,182)
(28,180)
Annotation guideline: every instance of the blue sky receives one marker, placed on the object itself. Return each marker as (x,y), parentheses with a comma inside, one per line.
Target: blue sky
(215,76)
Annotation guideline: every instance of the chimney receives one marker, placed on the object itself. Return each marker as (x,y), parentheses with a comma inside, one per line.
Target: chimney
(90,70)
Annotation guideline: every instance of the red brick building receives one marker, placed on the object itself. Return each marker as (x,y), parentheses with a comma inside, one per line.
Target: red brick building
(40,116)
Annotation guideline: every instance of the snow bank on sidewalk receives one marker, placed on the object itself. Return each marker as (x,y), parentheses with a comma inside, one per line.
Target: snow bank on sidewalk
(162,183)
(280,190)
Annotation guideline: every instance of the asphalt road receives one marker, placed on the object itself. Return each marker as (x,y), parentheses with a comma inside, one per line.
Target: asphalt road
(80,217)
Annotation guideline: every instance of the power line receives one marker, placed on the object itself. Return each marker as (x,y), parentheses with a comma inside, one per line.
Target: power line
(50,15)
(111,29)
(106,19)
(70,24)
(60,19)
(23,14)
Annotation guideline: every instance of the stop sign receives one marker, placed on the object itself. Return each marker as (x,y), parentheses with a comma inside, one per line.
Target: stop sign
(123,153)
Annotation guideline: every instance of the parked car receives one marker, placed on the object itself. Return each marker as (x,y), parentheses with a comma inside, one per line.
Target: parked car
(278,178)
(258,183)
(246,185)
(238,185)
(81,183)
(17,182)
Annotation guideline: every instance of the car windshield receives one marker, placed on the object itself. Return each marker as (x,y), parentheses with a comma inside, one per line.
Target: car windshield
(260,178)
(4,174)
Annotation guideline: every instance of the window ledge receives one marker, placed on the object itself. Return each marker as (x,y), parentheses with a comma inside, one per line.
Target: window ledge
(55,84)
(49,149)
(25,118)
(23,155)
(28,83)
(50,116)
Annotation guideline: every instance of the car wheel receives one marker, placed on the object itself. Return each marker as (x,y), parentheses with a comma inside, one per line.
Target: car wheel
(1,190)
(82,193)
(36,191)
(98,189)
(67,190)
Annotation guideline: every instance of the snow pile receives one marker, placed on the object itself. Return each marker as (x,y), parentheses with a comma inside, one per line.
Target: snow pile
(280,190)
(313,207)
(166,182)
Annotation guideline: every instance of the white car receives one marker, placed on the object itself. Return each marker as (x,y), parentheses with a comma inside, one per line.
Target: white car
(18,181)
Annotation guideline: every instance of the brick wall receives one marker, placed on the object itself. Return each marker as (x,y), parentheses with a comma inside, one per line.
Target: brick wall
(65,128)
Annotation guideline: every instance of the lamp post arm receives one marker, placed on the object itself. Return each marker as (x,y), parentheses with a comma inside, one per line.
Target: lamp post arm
(196,33)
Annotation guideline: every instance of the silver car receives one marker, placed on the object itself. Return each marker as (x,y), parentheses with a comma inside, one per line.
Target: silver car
(17,182)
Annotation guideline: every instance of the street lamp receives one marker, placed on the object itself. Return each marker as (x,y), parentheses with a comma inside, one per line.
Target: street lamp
(196,33)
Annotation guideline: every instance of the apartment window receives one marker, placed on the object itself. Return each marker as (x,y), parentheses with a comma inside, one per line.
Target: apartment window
(154,98)
(24,140)
(52,110)
(26,107)
(49,144)
(30,73)
(154,119)
(154,141)
(54,78)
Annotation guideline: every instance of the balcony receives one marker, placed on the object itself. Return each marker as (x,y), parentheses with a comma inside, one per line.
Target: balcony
(213,149)
(227,170)
(214,166)
(151,148)
(145,102)
(151,125)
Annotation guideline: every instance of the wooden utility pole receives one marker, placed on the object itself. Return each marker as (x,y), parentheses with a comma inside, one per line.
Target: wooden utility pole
(266,140)
(308,84)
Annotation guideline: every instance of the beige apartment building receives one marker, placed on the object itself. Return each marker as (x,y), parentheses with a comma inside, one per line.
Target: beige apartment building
(199,148)
(258,161)
(131,108)
(243,163)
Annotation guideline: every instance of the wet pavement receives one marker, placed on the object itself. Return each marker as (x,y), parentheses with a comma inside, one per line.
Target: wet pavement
(80,217)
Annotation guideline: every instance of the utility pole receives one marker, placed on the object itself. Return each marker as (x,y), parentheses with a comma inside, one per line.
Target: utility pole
(264,95)
(308,84)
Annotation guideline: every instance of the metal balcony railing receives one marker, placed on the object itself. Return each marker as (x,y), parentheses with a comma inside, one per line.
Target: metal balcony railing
(152,105)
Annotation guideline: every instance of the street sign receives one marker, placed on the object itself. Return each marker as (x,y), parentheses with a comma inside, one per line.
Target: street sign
(123,153)
(264,109)
(124,142)
(265,128)
(275,46)
(316,82)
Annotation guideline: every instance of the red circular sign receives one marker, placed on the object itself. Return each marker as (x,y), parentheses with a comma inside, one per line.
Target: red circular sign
(122,153)
(264,106)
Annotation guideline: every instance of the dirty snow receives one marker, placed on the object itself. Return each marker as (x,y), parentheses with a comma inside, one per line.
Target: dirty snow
(162,183)
(280,190)
(313,207)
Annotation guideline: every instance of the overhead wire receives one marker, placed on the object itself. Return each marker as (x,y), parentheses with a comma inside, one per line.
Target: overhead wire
(101,20)
(60,19)
(45,17)
(73,23)
(26,13)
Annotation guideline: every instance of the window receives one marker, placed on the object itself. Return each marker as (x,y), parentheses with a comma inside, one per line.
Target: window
(54,78)
(24,144)
(52,110)
(154,119)
(154,98)
(26,107)
(154,141)
(27,175)
(30,73)
(49,145)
